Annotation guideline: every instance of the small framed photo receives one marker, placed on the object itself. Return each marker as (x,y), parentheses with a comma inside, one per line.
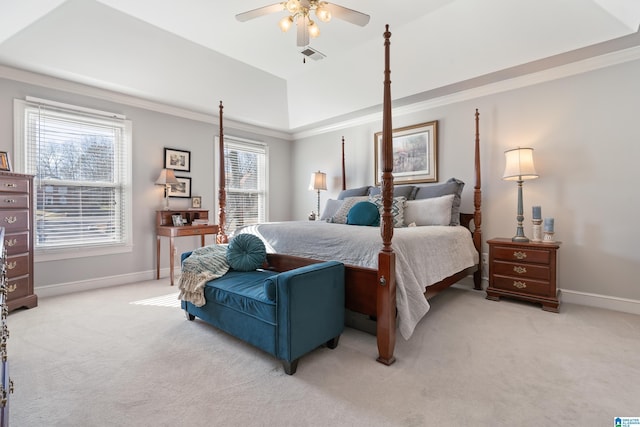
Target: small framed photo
(177,220)
(196,202)
(5,164)
(179,160)
(182,188)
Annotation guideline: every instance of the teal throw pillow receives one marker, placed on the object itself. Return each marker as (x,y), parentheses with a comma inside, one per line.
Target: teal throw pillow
(246,252)
(364,213)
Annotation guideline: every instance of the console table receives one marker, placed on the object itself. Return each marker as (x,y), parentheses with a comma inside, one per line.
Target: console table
(165,227)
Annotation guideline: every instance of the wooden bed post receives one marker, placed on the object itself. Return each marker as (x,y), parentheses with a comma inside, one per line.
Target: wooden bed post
(477,213)
(344,176)
(222,196)
(386,289)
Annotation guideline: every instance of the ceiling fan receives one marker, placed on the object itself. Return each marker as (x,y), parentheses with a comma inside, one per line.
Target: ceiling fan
(300,11)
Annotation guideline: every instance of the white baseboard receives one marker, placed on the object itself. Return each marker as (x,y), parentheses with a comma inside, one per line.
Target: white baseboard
(100,282)
(600,301)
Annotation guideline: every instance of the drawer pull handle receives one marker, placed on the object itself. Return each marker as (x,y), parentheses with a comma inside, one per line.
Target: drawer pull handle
(11,243)
(10,185)
(519,285)
(519,269)
(11,265)
(12,287)
(520,255)
(10,200)
(10,219)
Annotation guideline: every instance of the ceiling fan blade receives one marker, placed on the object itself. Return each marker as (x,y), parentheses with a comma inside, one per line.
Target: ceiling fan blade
(302,31)
(349,15)
(261,11)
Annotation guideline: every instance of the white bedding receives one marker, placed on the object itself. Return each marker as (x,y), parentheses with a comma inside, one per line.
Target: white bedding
(424,255)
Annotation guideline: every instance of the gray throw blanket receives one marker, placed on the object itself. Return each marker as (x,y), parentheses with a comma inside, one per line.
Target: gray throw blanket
(204,264)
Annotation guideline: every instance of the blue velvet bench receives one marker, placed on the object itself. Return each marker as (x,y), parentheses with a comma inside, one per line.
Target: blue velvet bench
(286,314)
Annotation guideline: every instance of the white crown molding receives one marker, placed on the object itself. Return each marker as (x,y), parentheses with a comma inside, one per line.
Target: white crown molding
(562,71)
(37,79)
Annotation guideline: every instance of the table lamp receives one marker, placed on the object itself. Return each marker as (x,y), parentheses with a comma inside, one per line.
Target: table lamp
(166,178)
(318,182)
(519,167)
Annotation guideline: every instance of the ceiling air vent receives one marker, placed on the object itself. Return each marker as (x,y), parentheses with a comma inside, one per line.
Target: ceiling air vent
(309,52)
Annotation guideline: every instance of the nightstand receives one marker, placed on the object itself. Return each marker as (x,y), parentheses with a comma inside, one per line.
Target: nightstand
(525,271)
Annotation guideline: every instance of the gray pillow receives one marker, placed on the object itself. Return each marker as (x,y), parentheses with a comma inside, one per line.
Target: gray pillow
(398,191)
(354,192)
(331,208)
(452,186)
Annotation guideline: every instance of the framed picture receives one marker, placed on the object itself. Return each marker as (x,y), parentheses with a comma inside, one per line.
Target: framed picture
(182,188)
(415,154)
(5,164)
(196,202)
(179,160)
(177,220)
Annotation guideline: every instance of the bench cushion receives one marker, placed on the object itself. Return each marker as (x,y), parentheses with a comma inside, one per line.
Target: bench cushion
(243,292)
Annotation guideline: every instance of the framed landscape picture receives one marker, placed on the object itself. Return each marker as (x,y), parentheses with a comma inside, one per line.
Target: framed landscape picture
(178,160)
(415,154)
(182,188)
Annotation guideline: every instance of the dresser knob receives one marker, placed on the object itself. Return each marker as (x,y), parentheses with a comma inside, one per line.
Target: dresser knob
(11,243)
(520,255)
(519,269)
(519,285)
(11,265)
(10,219)
(10,185)
(9,200)
(12,287)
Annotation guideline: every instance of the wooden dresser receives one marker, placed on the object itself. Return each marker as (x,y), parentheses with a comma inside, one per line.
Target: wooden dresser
(16,216)
(524,270)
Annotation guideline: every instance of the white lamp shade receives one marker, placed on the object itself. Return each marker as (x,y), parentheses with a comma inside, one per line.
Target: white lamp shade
(519,165)
(318,181)
(167,177)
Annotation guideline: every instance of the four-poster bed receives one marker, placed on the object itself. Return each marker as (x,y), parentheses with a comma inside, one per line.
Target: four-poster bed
(369,290)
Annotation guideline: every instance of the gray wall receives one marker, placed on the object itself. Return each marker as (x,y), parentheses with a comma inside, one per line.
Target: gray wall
(587,145)
(152,131)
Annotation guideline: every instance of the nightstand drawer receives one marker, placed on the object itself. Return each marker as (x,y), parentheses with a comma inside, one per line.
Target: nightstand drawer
(521,254)
(515,284)
(522,270)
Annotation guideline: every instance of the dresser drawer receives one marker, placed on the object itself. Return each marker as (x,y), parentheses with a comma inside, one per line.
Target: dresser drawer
(18,201)
(14,220)
(517,284)
(17,243)
(521,254)
(18,265)
(18,288)
(522,270)
(11,184)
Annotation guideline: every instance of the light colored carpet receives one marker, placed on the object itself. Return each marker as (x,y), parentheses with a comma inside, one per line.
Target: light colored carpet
(123,357)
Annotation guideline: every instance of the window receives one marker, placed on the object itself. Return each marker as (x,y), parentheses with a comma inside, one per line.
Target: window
(246,183)
(80,160)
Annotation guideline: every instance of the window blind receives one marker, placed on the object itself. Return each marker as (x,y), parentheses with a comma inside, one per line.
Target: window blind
(246,183)
(81,165)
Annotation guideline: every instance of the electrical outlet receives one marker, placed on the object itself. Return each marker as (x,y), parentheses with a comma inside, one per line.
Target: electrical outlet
(485,258)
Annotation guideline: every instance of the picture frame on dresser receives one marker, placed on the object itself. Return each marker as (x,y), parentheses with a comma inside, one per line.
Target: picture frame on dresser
(5,162)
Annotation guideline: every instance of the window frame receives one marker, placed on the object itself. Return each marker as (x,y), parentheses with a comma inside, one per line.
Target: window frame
(20,163)
(249,145)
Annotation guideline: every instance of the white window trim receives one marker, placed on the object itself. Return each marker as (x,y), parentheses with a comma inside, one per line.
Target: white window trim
(216,203)
(19,165)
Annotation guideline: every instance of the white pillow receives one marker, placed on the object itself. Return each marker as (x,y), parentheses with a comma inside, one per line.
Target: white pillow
(340,217)
(331,208)
(433,211)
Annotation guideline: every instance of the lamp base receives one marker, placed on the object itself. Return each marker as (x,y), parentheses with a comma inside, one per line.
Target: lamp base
(520,239)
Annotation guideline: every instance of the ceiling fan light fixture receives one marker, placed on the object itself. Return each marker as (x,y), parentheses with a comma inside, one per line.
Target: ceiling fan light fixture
(293,6)
(314,31)
(322,12)
(285,23)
